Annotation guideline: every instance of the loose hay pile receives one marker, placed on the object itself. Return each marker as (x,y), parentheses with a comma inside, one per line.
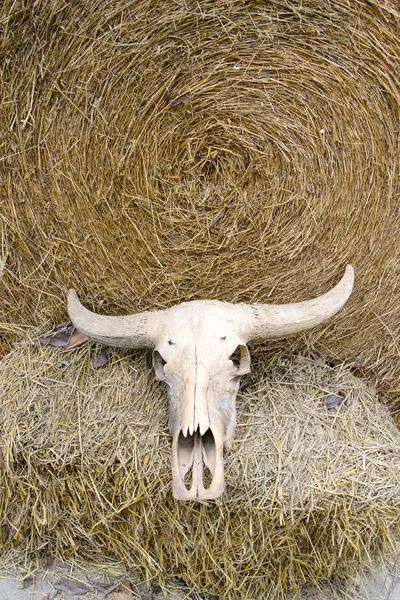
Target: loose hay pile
(85,469)
(154,152)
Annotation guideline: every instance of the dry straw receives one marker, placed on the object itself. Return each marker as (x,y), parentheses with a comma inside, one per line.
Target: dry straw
(85,463)
(154,152)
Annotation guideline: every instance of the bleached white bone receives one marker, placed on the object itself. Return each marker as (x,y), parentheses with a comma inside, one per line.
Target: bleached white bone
(193,344)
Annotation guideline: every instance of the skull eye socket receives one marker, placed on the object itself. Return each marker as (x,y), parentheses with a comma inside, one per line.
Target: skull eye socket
(235,358)
(158,364)
(241,360)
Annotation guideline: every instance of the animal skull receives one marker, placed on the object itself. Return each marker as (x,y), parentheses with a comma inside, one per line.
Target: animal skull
(194,345)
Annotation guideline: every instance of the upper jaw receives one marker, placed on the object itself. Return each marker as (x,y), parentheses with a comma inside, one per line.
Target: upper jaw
(197,452)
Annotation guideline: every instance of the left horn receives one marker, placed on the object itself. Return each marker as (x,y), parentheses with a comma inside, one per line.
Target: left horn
(131,331)
(269,321)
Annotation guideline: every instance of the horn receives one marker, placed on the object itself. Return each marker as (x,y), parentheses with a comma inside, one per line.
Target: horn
(131,331)
(280,320)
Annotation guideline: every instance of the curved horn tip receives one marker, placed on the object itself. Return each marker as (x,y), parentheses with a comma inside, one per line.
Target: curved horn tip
(76,310)
(72,299)
(348,277)
(349,269)
(270,321)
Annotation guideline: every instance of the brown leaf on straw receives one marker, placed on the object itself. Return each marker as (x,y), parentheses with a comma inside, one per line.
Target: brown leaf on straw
(184,99)
(28,581)
(245,383)
(71,587)
(75,340)
(59,336)
(59,340)
(372,385)
(102,359)
(64,336)
(119,596)
(332,401)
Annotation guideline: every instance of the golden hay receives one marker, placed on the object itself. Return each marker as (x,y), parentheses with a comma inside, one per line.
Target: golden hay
(85,463)
(277,166)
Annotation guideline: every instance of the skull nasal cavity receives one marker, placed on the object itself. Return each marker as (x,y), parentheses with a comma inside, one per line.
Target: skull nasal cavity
(197,457)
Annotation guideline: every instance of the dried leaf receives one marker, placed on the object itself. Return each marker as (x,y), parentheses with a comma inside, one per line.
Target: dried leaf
(245,383)
(372,385)
(75,340)
(28,581)
(58,336)
(71,587)
(120,596)
(183,99)
(102,359)
(62,363)
(59,340)
(332,401)
(64,336)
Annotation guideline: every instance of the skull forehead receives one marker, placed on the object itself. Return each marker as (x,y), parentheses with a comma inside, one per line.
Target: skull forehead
(201,333)
(198,320)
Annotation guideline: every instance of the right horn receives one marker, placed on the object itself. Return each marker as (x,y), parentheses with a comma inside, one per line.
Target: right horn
(280,320)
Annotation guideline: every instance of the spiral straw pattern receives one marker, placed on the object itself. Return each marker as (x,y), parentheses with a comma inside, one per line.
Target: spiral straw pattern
(154,152)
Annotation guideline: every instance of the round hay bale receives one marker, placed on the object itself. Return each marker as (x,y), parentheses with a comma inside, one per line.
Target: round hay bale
(244,151)
(85,463)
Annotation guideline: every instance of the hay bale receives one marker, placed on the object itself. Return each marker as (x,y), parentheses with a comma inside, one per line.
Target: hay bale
(279,166)
(85,458)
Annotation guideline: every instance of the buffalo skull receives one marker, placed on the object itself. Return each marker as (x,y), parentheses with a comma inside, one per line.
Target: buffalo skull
(199,350)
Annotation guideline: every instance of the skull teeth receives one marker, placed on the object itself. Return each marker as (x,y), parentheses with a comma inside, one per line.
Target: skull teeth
(202,426)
